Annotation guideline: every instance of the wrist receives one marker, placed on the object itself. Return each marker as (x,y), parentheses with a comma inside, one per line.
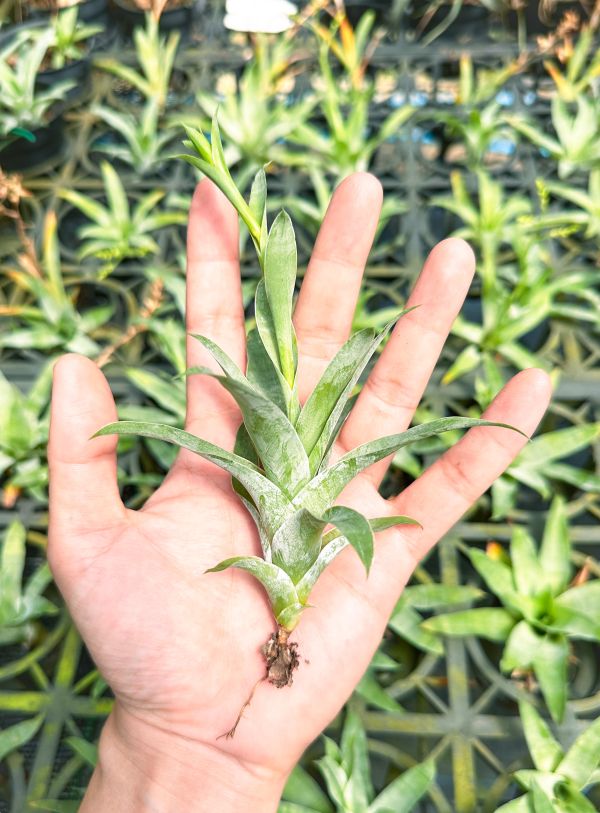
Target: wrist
(144,770)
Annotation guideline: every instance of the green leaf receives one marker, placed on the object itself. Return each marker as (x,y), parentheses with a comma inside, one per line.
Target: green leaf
(88,751)
(319,420)
(12,562)
(526,569)
(541,802)
(497,575)
(521,647)
(520,805)
(407,624)
(258,206)
(263,374)
(266,331)
(275,439)
(323,489)
(583,757)
(297,543)
(492,623)
(403,793)
(302,789)
(355,757)
(55,806)
(115,193)
(277,583)
(355,528)
(199,142)
(272,504)
(555,551)
(17,735)
(435,596)
(545,751)
(280,276)
(227,364)
(550,667)
(372,692)
(163,391)
(553,445)
(584,599)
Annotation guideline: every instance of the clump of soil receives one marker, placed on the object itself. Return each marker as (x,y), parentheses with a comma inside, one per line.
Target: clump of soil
(281,658)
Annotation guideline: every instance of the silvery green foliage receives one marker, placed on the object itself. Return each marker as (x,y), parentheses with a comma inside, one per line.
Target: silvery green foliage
(558,780)
(280,463)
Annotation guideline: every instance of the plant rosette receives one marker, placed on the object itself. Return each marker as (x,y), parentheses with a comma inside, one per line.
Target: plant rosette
(281,465)
(543,609)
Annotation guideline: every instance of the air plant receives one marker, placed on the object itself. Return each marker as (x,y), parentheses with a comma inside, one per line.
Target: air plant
(281,465)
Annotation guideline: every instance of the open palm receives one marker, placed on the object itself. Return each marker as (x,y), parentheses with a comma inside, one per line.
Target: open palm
(181,648)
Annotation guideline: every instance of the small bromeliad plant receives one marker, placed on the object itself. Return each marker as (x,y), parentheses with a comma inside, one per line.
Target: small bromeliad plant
(559,781)
(281,464)
(543,608)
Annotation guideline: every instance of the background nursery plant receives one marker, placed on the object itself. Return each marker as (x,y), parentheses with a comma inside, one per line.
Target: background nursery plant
(479,121)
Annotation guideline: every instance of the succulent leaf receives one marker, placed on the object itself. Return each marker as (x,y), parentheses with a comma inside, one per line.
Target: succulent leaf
(277,583)
(271,502)
(280,269)
(319,420)
(275,439)
(321,492)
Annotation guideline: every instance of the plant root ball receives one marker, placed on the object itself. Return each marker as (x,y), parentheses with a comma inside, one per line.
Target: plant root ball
(281,658)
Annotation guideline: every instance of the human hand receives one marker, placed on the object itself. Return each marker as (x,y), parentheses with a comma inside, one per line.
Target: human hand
(181,649)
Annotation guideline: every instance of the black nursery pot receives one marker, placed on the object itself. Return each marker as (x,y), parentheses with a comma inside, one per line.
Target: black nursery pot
(356,9)
(89,11)
(22,155)
(92,10)
(172,19)
(78,72)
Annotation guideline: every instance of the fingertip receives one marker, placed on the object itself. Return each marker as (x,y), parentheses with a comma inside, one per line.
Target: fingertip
(363,186)
(69,364)
(454,254)
(537,380)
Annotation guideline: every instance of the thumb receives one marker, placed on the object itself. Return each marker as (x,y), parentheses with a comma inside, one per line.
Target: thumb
(84,497)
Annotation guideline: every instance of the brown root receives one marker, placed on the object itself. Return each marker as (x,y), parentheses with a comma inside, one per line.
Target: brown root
(282,660)
(281,657)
